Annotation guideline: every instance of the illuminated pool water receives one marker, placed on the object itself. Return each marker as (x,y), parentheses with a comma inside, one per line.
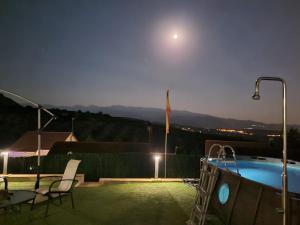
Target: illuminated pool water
(268,173)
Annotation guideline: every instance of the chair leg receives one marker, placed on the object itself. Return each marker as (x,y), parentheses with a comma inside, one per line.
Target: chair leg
(73,206)
(31,208)
(47,207)
(32,204)
(59,198)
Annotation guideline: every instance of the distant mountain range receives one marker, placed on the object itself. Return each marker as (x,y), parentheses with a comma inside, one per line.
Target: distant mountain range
(16,119)
(183,118)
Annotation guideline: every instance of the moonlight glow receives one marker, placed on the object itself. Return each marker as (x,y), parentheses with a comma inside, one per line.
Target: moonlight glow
(175,36)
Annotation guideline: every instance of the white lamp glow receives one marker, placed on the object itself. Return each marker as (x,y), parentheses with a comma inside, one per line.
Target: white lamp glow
(156,165)
(157,157)
(5,161)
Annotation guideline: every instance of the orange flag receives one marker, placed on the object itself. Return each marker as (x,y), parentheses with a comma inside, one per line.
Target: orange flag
(168,110)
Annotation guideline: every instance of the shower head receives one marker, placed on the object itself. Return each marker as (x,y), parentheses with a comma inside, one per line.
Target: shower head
(256,96)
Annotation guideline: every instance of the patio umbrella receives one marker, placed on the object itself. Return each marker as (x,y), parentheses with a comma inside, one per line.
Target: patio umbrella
(40,128)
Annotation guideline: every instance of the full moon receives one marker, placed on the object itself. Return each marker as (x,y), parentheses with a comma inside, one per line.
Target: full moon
(175,36)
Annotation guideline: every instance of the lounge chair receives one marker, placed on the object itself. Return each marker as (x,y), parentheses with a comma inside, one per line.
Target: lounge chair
(61,186)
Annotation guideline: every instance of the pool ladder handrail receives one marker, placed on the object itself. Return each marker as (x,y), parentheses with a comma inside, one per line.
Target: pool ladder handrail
(234,157)
(222,155)
(207,181)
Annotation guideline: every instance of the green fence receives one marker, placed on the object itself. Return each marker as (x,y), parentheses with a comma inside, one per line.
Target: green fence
(117,165)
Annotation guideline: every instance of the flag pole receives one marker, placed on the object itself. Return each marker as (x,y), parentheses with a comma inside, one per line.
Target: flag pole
(166,146)
(168,109)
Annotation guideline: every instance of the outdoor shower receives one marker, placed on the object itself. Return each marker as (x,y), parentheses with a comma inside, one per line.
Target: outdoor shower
(284,177)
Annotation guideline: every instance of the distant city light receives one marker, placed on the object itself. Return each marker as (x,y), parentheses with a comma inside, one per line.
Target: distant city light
(234,131)
(274,135)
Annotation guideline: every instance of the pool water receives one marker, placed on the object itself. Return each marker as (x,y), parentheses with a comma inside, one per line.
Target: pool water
(268,173)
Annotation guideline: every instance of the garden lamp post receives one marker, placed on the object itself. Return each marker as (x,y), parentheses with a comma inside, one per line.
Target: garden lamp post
(156,166)
(5,161)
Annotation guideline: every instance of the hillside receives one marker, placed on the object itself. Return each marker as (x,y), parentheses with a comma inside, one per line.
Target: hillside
(183,118)
(15,120)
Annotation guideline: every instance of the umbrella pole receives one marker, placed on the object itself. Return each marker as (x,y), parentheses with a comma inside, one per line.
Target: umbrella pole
(37,184)
(39,107)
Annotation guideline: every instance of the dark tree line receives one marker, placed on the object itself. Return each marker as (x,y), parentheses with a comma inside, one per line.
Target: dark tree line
(15,120)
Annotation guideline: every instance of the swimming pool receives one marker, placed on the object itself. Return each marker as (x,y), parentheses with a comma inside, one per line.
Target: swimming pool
(267,171)
(256,191)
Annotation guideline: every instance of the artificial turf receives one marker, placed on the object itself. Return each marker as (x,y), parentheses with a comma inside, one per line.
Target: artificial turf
(114,204)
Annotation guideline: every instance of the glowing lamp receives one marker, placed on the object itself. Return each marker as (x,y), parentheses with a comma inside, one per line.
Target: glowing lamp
(156,157)
(156,165)
(5,161)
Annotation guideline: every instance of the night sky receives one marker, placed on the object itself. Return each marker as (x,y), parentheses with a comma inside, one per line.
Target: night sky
(124,53)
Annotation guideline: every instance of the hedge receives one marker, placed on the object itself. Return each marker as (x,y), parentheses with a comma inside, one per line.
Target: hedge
(112,165)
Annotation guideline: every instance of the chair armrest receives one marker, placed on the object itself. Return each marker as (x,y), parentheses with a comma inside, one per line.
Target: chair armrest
(54,176)
(56,181)
(58,178)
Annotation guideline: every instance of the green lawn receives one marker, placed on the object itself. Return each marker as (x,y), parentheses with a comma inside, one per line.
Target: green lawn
(114,204)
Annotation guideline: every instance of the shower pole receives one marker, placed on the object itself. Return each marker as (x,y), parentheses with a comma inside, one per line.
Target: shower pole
(284,176)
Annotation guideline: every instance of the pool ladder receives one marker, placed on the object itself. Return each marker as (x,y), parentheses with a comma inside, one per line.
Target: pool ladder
(208,178)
